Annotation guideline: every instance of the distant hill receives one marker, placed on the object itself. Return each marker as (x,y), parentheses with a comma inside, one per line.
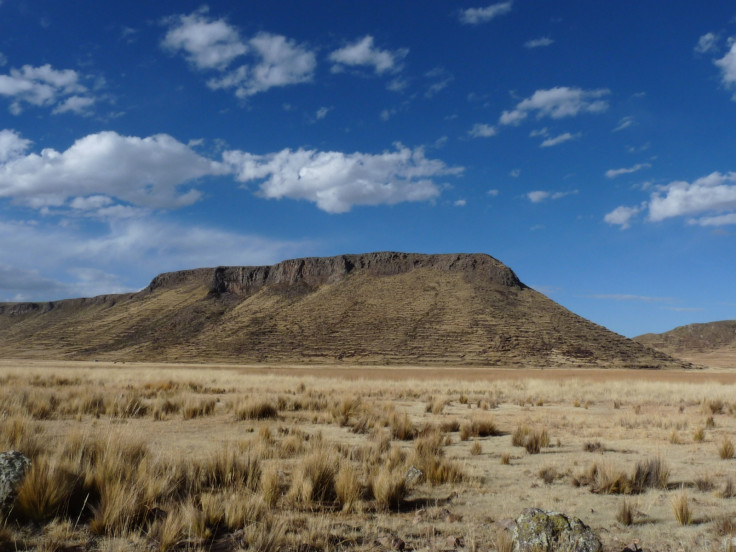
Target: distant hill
(712,343)
(375,308)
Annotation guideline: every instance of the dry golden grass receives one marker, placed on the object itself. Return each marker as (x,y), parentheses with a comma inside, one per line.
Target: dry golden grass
(120,463)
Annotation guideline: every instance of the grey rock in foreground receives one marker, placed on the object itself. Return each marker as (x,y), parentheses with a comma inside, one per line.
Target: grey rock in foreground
(13,468)
(543,531)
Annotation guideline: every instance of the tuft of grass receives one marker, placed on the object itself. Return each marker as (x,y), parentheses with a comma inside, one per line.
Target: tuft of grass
(505,458)
(652,473)
(729,489)
(228,468)
(314,479)
(347,487)
(699,435)
(401,426)
(478,426)
(725,449)
(625,513)
(591,446)
(548,474)
(388,488)
(605,478)
(503,541)
(270,486)
(476,449)
(45,490)
(681,508)
(255,409)
(196,408)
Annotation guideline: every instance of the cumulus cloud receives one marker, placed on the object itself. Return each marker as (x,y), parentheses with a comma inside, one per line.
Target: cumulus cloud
(474,16)
(12,145)
(146,172)
(364,52)
(44,86)
(206,43)
(213,45)
(613,173)
(538,196)
(727,64)
(460,203)
(539,42)
(557,103)
(559,139)
(712,198)
(715,192)
(482,130)
(337,181)
(622,216)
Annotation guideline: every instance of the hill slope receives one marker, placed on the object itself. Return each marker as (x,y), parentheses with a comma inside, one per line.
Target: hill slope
(712,343)
(371,308)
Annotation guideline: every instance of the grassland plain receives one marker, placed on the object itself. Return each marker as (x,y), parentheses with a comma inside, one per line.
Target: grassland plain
(311,459)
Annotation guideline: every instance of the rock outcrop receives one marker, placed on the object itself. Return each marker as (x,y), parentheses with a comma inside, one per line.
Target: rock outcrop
(543,531)
(13,468)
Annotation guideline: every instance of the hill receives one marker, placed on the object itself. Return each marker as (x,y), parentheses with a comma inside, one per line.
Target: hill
(375,308)
(711,343)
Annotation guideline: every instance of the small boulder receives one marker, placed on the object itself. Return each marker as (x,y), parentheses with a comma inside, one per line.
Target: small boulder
(413,475)
(13,468)
(542,531)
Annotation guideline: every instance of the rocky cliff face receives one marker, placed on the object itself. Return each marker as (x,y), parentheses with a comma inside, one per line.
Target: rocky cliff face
(316,271)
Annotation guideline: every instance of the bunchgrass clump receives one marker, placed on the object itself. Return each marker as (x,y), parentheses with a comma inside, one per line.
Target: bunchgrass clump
(255,409)
(681,508)
(725,449)
(625,513)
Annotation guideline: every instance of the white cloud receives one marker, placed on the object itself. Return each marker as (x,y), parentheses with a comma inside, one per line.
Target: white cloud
(206,43)
(47,262)
(45,86)
(625,122)
(539,42)
(337,181)
(557,103)
(718,220)
(146,172)
(474,16)
(322,112)
(213,45)
(482,130)
(538,196)
(364,52)
(613,173)
(515,173)
(715,192)
(713,197)
(12,145)
(76,104)
(460,203)
(281,62)
(556,140)
(622,216)
(492,193)
(706,43)
(727,64)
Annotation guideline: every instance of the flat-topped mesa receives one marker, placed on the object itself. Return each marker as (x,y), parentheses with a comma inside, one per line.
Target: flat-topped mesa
(316,271)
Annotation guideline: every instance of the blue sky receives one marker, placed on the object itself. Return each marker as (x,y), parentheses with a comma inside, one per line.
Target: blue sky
(590,146)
